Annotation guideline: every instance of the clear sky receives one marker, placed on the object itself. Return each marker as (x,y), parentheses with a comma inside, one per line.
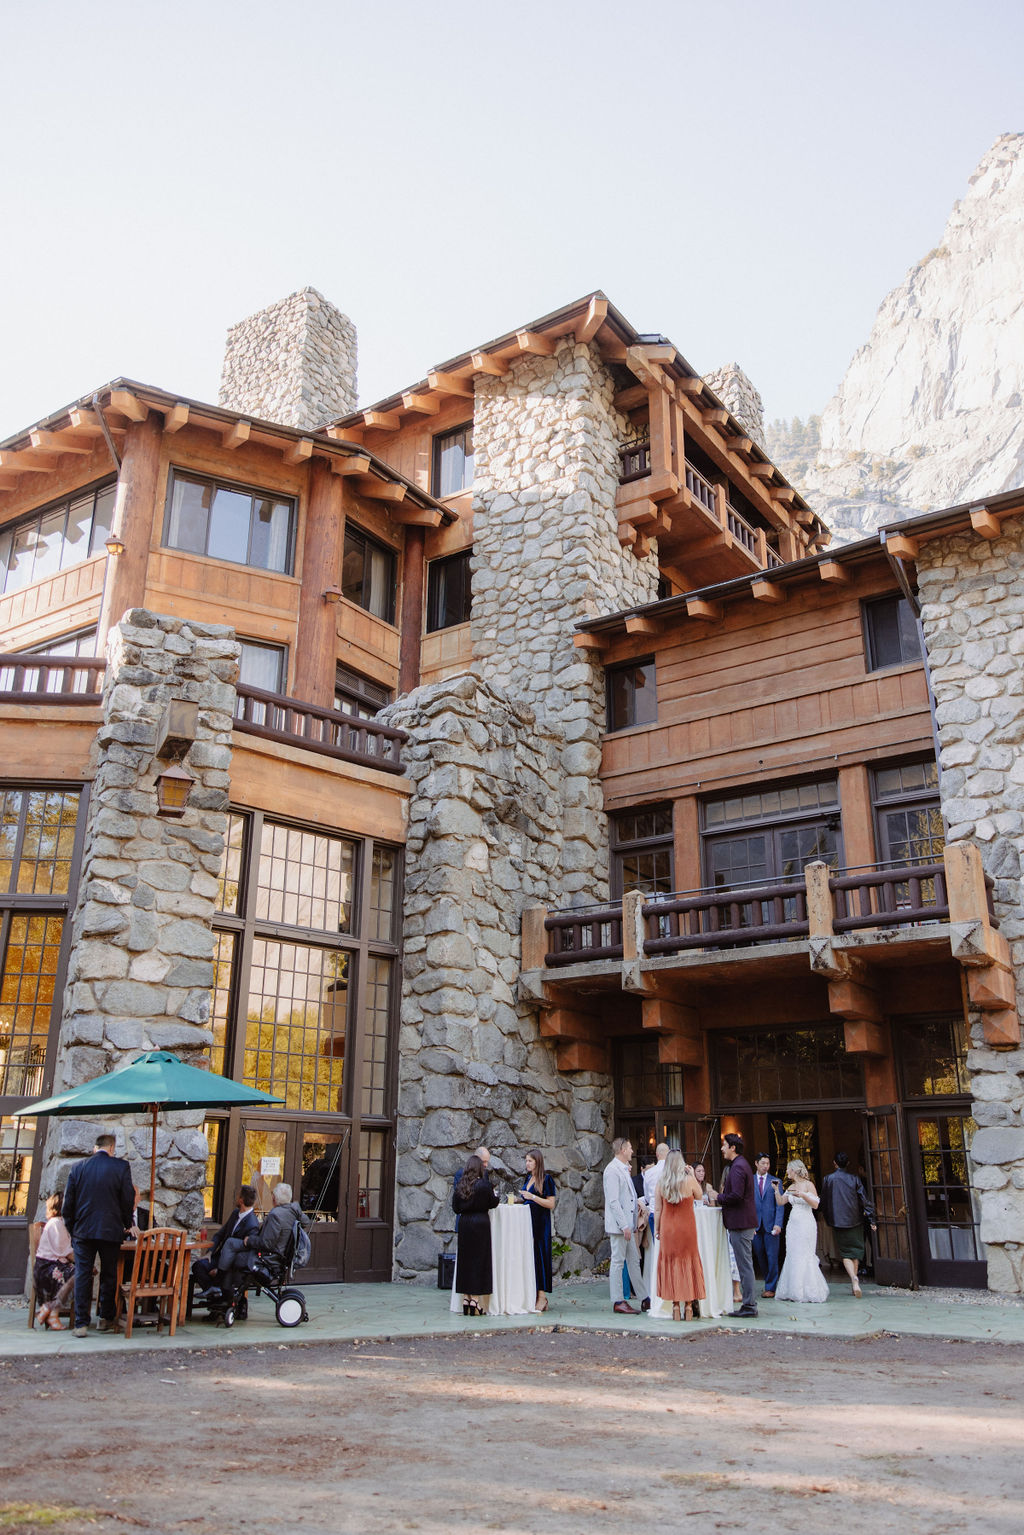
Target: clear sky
(749,178)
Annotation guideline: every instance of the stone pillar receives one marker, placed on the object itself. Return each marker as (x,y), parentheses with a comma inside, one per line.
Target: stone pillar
(294,362)
(485,840)
(141,963)
(972,610)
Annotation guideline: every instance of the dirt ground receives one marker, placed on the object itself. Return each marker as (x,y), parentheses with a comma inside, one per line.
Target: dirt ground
(528,1434)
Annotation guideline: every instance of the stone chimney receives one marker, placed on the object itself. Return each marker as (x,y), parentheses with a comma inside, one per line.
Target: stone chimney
(739,396)
(294,362)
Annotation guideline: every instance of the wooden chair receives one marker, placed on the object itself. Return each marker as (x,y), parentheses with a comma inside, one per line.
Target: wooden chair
(157,1272)
(35,1231)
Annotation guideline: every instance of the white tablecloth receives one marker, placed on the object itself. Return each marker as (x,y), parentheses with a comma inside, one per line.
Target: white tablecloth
(512,1267)
(713,1246)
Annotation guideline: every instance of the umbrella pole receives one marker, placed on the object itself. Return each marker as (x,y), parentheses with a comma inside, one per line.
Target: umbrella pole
(152,1172)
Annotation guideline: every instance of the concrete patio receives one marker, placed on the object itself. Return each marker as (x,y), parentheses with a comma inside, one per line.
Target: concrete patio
(358,1313)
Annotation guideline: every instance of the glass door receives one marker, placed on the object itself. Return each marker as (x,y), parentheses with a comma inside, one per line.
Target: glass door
(884,1155)
(315,1163)
(949,1244)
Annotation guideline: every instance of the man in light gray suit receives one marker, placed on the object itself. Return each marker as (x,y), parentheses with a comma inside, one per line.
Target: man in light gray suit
(621,1218)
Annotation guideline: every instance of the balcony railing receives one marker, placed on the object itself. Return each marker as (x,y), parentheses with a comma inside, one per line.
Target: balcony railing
(740,529)
(891,895)
(634,460)
(584,933)
(701,489)
(275,717)
(32,679)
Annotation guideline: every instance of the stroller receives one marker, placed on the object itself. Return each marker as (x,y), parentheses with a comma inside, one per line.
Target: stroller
(270,1273)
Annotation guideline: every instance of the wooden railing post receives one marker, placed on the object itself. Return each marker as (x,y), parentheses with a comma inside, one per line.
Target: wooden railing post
(979,947)
(633,935)
(820,914)
(535,938)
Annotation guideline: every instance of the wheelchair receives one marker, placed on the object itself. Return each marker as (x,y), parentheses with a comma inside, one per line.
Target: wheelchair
(270,1274)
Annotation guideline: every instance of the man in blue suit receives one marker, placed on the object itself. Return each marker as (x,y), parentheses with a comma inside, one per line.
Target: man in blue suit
(769,1225)
(98,1203)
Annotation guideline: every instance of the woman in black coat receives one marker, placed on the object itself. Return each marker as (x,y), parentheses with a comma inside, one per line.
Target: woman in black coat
(472,1199)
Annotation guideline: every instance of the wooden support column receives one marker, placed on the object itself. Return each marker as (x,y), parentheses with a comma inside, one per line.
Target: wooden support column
(858,827)
(316,641)
(411,621)
(138,493)
(686,870)
(661,430)
(535,938)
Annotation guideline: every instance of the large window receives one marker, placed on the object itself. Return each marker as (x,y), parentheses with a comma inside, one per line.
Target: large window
(933,1056)
(368,574)
(57,537)
(770,834)
(890,633)
(642,850)
(230,522)
(631,696)
(453,461)
(907,813)
(39,849)
(756,1067)
(449,599)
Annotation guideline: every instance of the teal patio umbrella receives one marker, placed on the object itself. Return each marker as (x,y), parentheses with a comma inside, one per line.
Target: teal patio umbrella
(154,1081)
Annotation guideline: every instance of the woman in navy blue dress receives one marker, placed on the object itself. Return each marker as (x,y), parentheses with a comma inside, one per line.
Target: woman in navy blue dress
(539,1193)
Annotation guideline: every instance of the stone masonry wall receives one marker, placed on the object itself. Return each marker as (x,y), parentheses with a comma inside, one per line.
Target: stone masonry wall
(141,963)
(294,362)
(972,608)
(484,840)
(507,810)
(738,395)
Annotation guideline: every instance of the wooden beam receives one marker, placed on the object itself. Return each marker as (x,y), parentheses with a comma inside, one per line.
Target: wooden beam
(128,404)
(381,490)
(494,367)
(680,1050)
(865,1036)
(421,404)
(694,387)
(767,591)
(531,344)
(831,570)
(902,545)
(597,313)
(783,493)
(60,442)
(298,452)
(637,624)
(579,1055)
(714,417)
(447,383)
(352,463)
(983,522)
(234,436)
(347,433)
(176,418)
(9,478)
(382,420)
(595,642)
(741,445)
(28,460)
(631,398)
(611,347)
(413,516)
(762,471)
(696,607)
(534,937)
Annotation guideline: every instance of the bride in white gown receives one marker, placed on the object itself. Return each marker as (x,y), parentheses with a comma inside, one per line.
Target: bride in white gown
(801,1278)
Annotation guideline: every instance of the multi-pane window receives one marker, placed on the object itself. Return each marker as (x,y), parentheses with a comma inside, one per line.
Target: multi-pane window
(368,574)
(37,840)
(891,635)
(230,522)
(229,884)
(296,1024)
(372,1151)
(82,642)
(17,1144)
(767,1066)
(773,833)
(449,598)
(305,879)
(907,813)
(56,538)
(383,903)
(642,1082)
(631,694)
(375,1034)
(220,1000)
(453,461)
(28,979)
(642,850)
(358,695)
(933,1057)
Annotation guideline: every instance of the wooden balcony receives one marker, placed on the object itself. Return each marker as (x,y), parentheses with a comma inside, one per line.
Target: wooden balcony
(331,732)
(33,679)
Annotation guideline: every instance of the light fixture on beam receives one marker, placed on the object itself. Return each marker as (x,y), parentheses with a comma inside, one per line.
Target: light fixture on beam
(172,790)
(332,594)
(114,546)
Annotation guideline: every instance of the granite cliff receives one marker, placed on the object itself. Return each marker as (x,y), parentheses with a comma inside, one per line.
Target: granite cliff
(929,412)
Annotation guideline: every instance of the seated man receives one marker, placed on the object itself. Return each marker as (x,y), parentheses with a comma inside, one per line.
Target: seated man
(238,1257)
(242,1222)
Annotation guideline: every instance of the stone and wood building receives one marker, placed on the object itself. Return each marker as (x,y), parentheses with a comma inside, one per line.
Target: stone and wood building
(510,761)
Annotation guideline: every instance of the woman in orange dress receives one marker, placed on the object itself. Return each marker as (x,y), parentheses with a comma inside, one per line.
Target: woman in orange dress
(680,1272)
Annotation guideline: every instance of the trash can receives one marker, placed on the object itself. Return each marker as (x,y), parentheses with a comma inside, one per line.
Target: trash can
(445,1270)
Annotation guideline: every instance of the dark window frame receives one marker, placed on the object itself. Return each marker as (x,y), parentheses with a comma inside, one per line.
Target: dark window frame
(282,654)
(438,445)
(15,526)
(438,573)
(622,848)
(356,699)
(907,633)
(769,825)
(235,487)
(923,798)
(356,534)
(620,669)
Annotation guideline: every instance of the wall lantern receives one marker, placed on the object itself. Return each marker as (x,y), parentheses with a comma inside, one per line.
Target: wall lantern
(114,545)
(177,729)
(332,594)
(172,787)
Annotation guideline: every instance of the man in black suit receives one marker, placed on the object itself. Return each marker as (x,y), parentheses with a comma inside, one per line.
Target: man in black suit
(97,1210)
(240,1223)
(739,1217)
